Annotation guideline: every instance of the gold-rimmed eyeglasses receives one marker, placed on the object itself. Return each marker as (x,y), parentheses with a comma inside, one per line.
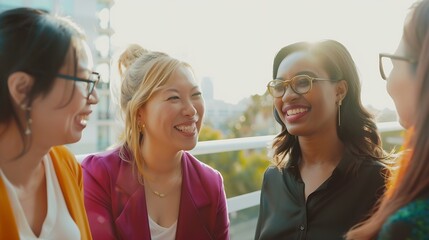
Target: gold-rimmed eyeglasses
(300,84)
(86,86)
(386,66)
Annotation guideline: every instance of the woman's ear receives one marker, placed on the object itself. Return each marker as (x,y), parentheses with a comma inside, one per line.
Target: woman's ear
(140,115)
(20,85)
(341,90)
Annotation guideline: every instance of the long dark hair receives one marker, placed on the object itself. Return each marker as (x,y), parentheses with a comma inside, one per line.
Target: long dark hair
(34,42)
(358,131)
(411,180)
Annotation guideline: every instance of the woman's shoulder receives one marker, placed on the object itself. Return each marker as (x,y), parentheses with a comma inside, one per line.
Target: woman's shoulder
(274,177)
(274,172)
(415,211)
(370,166)
(61,154)
(107,161)
(204,172)
(410,221)
(109,157)
(198,165)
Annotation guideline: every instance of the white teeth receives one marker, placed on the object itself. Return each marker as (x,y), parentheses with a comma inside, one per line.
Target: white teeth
(186,129)
(84,119)
(296,111)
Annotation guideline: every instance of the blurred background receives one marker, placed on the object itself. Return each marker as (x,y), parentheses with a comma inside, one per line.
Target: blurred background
(231,46)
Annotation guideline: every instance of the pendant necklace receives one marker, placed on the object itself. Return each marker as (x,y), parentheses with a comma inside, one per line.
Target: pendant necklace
(159,194)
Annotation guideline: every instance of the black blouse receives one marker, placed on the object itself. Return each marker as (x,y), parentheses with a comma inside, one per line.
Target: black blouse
(343,200)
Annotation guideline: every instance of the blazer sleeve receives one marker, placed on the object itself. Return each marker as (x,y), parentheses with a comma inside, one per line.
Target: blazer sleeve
(222,225)
(261,216)
(97,192)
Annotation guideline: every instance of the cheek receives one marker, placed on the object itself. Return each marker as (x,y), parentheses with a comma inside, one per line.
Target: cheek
(389,88)
(278,104)
(395,86)
(199,106)
(323,103)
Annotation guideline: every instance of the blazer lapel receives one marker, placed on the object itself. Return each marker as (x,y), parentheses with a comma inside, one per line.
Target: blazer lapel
(192,223)
(132,218)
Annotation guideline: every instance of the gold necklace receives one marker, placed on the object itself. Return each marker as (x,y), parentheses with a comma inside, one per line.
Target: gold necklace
(159,194)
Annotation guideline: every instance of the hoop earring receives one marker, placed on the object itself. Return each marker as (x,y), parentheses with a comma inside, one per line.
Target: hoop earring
(339,113)
(28,117)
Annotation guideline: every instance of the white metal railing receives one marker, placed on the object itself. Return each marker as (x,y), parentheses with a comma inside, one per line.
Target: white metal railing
(228,145)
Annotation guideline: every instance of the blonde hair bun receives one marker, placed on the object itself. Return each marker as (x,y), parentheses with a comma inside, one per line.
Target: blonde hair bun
(129,56)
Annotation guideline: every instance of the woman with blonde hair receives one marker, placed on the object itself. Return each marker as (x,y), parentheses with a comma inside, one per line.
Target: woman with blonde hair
(150,187)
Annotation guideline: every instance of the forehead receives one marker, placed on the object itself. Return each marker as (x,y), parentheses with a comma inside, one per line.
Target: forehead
(182,76)
(300,62)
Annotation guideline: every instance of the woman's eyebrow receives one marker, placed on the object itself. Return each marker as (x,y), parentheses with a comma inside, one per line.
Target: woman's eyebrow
(307,72)
(176,90)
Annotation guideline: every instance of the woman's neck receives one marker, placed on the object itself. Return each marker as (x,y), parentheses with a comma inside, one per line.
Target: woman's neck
(19,165)
(162,164)
(323,150)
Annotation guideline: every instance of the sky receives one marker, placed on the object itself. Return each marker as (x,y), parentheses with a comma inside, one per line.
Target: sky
(233,42)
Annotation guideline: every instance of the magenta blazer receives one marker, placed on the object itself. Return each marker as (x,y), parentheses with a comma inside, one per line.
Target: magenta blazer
(116,205)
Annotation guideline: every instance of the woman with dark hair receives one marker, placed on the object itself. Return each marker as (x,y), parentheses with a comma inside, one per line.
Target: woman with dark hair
(46,93)
(403,212)
(328,162)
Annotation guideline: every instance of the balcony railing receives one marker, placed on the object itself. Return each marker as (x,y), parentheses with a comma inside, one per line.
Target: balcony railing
(248,200)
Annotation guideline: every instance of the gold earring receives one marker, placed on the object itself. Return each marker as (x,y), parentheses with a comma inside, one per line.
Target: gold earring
(140,127)
(339,112)
(28,117)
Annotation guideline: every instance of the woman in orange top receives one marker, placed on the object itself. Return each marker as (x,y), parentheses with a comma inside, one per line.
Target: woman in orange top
(46,93)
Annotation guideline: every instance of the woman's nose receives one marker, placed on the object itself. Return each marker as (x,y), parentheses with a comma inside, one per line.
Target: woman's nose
(189,109)
(289,94)
(93,97)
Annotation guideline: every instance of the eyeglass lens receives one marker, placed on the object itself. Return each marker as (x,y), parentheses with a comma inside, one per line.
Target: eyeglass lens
(86,88)
(299,84)
(386,66)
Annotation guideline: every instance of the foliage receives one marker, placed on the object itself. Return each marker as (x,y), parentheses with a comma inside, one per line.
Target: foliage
(242,170)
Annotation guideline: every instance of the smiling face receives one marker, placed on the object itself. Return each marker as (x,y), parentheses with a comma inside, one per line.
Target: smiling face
(60,116)
(309,113)
(402,87)
(172,117)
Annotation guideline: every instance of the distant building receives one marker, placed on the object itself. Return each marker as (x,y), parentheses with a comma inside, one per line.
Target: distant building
(207,88)
(218,111)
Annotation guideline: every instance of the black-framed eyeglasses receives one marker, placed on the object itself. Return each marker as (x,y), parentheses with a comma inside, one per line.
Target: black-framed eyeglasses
(86,86)
(385,63)
(300,84)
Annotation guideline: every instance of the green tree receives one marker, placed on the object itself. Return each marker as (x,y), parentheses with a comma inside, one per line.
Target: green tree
(242,170)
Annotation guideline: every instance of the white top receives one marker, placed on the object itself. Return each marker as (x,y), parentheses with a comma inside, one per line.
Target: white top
(161,233)
(58,223)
